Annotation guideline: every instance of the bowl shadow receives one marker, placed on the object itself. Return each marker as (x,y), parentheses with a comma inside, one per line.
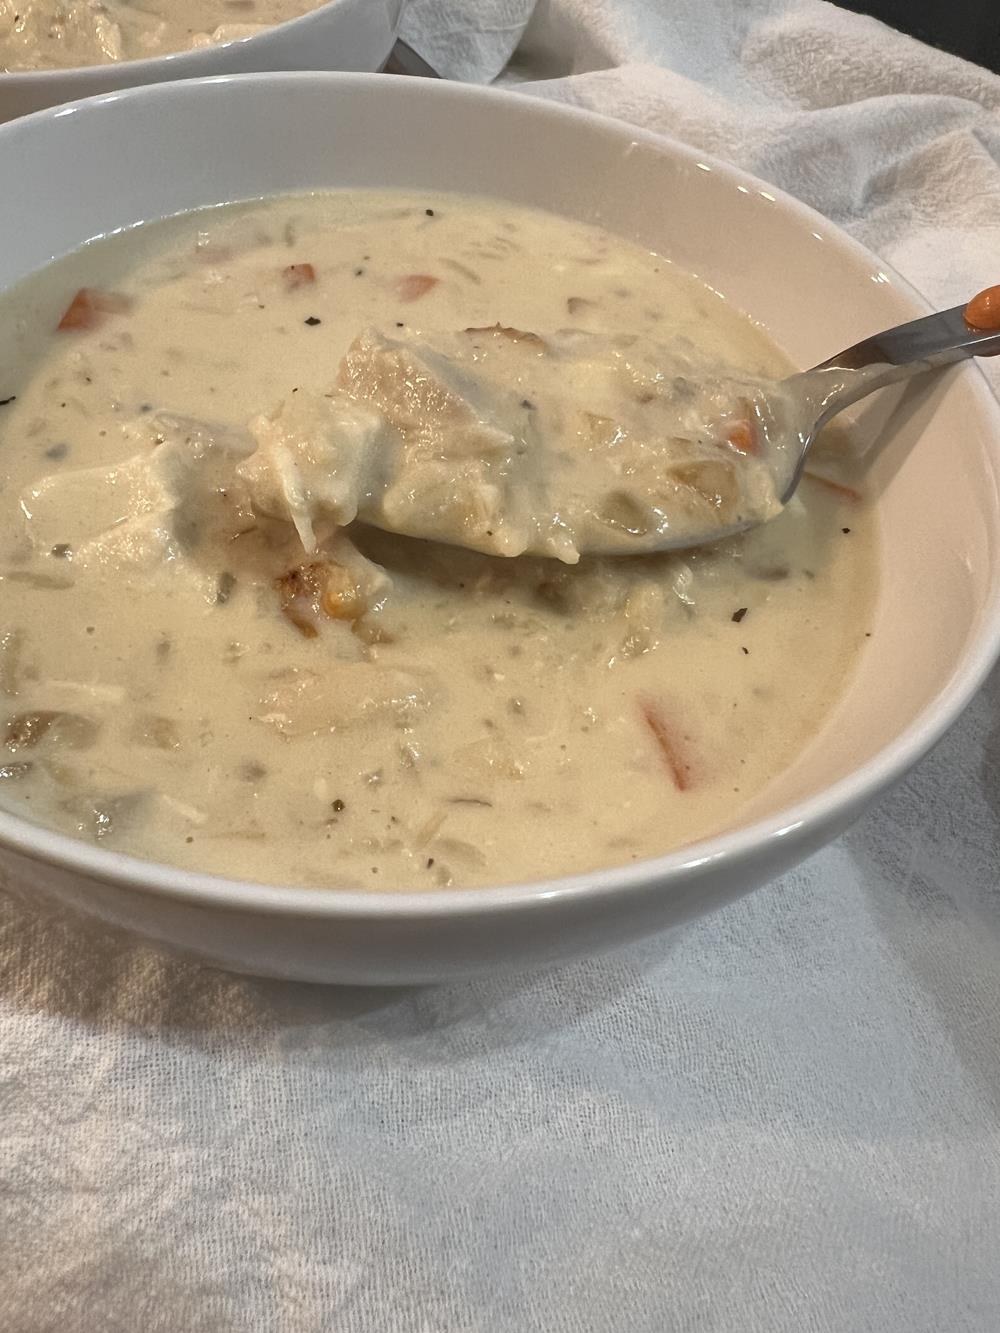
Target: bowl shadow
(73,967)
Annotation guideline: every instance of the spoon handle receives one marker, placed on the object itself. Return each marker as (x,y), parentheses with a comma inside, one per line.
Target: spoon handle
(935,340)
(909,349)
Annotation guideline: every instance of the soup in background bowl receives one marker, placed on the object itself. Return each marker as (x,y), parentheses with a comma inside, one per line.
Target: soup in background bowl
(935,555)
(54,51)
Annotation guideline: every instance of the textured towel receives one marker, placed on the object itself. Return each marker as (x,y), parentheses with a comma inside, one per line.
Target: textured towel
(786,1121)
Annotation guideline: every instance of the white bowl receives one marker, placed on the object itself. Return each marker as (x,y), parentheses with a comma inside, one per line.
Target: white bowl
(88,169)
(342,35)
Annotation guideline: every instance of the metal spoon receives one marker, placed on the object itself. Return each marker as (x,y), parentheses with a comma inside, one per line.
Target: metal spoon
(885,358)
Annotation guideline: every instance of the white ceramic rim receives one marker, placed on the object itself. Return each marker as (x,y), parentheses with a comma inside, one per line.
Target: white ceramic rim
(37,78)
(843,796)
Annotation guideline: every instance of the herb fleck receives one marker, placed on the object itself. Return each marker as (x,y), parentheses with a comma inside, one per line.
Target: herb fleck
(57,451)
(224,588)
(11,399)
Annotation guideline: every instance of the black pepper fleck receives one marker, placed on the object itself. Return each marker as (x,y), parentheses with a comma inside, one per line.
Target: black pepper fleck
(359,273)
(527,403)
(61,551)
(429,212)
(224,587)
(57,451)
(738,615)
(312,321)
(11,399)
(430,862)
(338,805)
(400,324)
(745,650)
(845,531)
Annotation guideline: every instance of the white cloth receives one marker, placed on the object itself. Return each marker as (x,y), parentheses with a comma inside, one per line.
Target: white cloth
(786,1120)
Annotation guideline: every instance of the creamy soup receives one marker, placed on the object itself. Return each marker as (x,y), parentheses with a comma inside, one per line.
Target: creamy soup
(205,659)
(62,34)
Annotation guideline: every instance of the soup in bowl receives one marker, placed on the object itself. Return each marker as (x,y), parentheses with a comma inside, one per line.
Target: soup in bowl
(241,719)
(53,51)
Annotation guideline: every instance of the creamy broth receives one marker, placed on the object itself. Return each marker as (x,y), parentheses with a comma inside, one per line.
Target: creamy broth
(64,34)
(198,665)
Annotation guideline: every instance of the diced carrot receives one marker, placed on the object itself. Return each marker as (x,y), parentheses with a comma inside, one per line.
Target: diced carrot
(743,437)
(677,765)
(415,285)
(742,433)
(836,488)
(89,306)
(80,313)
(298,275)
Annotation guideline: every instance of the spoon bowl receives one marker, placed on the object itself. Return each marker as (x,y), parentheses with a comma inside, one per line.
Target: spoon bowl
(702,460)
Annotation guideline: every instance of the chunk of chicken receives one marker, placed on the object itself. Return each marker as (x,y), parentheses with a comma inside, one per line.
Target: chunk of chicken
(302,702)
(447,476)
(317,456)
(172,495)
